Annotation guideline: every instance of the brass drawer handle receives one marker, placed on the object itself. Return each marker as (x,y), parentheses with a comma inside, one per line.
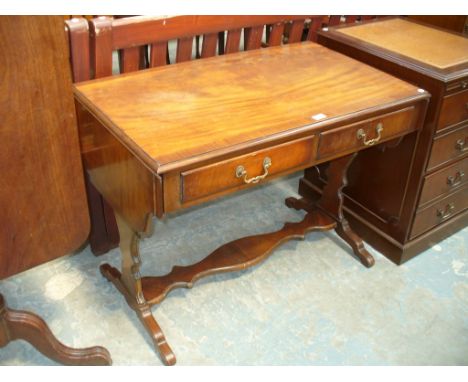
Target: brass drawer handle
(453,181)
(460,145)
(241,172)
(464,84)
(447,212)
(362,135)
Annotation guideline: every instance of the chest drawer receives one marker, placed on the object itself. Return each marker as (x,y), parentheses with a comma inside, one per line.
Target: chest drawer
(444,181)
(448,147)
(440,212)
(454,109)
(247,170)
(361,135)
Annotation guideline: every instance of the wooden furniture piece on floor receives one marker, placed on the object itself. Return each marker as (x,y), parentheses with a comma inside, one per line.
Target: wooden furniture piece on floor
(157,141)
(92,45)
(425,198)
(42,198)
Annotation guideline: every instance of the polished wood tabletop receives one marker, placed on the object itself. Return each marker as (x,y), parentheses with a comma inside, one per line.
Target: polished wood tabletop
(178,114)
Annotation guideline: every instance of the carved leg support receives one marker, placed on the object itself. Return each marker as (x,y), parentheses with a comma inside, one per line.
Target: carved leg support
(19,325)
(129,284)
(331,203)
(239,254)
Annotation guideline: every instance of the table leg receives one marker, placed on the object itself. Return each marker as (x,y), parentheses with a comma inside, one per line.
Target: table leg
(142,293)
(129,284)
(20,325)
(331,203)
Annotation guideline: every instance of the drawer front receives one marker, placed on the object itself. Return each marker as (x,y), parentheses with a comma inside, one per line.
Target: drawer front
(444,181)
(457,85)
(228,175)
(440,212)
(361,135)
(454,110)
(448,147)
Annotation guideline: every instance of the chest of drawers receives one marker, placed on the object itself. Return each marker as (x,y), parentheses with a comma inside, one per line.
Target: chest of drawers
(425,199)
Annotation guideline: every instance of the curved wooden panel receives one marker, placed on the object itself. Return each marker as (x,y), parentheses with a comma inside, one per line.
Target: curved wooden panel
(43,209)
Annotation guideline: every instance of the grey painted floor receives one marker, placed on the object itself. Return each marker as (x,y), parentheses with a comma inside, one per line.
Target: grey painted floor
(310,303)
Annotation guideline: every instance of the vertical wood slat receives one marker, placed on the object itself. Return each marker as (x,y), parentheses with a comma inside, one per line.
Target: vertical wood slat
(78,39)
(184,49)
(101,46)
(233,41)
(350,19)
(158,55)
(129,59)
(276,34)
(334,20)
(209,45)
(295,32)
(253,37)
(315,25)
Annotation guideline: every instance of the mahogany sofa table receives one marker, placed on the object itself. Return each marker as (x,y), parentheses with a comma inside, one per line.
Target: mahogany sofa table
(160,140)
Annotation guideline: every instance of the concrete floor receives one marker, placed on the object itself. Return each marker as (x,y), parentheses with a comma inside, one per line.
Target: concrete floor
(310,303)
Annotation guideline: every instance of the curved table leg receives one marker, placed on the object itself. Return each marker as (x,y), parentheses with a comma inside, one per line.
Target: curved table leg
(129,284)
(331,203)
(347,234)
(143,311)
(20,325)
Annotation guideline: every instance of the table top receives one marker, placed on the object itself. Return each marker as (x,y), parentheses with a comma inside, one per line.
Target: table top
(173,115)
(435,52)
(422,43)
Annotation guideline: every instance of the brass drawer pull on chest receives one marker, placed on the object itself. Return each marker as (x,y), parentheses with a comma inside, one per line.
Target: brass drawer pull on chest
(241,172)
(362,135)
(460,145)
(453,181)
(447,213)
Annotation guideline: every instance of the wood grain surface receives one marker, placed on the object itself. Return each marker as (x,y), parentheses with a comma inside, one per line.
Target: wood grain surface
(212,179)
(92,47)
(448,147)
(452,49)
(43,207)
(454,109)
(444,181)
(440,212)
(172,115)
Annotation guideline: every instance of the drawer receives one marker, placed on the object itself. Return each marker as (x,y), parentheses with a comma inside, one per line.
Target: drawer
(448,147)
(444,181)
(233,173)
(454,109)
(361,135)
(440,212)
(457,85)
